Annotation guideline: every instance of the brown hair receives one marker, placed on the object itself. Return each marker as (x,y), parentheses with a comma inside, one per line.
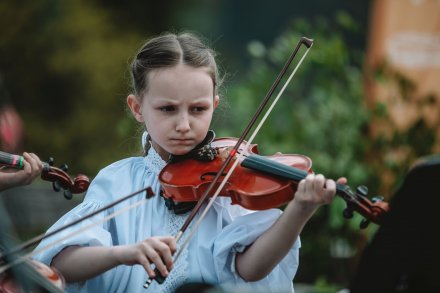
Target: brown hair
(169,50)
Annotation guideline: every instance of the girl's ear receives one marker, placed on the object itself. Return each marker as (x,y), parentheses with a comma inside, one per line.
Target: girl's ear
(216,101)
(135,107)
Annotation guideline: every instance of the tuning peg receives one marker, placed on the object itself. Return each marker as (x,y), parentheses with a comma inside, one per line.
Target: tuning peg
(56,186)
(50,161)
(364,223)
(68,194)
(64,167)
(362,190)
(347,213)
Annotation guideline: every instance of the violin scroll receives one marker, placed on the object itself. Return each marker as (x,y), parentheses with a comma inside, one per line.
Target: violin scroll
(372,210)
(61,180)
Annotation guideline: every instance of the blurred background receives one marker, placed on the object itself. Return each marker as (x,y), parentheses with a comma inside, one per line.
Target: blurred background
(364,104)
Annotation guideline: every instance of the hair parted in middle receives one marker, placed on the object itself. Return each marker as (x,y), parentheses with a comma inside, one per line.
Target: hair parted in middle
(169,50)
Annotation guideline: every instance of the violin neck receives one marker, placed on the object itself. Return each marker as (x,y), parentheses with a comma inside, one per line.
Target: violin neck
(263,164)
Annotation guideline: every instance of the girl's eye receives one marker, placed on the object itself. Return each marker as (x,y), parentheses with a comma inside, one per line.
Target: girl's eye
(167,108)
(199,109)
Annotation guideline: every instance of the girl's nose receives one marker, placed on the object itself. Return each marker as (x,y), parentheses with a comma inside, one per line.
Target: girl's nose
(183,124)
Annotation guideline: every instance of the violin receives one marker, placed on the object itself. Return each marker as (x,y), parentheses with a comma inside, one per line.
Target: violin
(39,278)
(58,176)
(258,182)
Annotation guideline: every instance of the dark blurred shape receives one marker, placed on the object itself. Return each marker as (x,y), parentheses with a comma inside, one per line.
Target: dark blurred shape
(11,126)
(404,255)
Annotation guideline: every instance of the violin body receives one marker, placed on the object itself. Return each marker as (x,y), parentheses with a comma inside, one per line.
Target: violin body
(250,189)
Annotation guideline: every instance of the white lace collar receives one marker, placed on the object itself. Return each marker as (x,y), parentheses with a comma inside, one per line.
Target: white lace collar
(153,161)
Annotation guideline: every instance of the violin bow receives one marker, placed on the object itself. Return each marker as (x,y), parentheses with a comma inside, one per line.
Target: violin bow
(303,41)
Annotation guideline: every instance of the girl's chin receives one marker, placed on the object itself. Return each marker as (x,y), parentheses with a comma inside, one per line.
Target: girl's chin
(181,152)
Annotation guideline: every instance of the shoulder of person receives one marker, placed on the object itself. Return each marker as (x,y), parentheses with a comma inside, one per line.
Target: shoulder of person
(124,170)
(122,166)
(117,178)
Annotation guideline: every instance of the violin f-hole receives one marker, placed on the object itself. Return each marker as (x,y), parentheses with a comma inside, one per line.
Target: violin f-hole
(213,174)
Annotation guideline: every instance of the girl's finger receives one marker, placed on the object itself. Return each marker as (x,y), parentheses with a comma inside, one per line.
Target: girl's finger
(342,180)
(318,183)
(170,242)
(309,183)
(155,258)
(147,266)
(165,254)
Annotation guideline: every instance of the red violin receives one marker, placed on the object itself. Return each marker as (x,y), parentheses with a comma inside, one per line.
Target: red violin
(259,182)
(58,176)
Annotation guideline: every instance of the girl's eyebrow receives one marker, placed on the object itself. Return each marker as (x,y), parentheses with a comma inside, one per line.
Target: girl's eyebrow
(160,100)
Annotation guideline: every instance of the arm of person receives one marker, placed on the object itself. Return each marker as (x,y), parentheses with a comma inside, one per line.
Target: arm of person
(11,177)
(255,262)
(80,263)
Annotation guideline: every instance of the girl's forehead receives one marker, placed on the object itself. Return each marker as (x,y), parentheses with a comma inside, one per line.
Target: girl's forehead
(180,79)
(177,71)
(183,77)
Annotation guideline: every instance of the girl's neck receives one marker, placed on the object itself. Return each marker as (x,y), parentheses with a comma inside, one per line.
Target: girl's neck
(160,151)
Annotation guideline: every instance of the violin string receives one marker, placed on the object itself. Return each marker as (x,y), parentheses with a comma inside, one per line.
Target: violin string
(238,159)
(36,251)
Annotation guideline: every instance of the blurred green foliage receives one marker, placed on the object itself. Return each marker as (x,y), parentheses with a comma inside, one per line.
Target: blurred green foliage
(69,80)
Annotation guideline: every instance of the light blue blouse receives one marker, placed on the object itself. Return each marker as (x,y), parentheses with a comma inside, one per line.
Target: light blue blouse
(209,257)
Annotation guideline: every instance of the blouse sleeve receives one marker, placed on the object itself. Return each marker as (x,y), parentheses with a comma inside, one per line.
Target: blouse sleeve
(242,232)
(90,232)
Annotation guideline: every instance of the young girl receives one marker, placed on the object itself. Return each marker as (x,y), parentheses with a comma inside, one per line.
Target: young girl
(175,83)
(12,177)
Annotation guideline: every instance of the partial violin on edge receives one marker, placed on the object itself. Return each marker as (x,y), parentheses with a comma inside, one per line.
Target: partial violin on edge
(36,277)
(58,176)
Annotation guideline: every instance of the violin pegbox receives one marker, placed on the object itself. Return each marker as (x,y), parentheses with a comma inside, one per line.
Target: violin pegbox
(62,181)
(372,210)
(57,184)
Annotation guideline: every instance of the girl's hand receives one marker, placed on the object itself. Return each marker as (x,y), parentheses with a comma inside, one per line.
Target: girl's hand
(316,190)
(157,250)
(11,177)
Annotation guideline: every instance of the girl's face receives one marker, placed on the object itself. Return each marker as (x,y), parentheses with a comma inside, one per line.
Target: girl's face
(177,109)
